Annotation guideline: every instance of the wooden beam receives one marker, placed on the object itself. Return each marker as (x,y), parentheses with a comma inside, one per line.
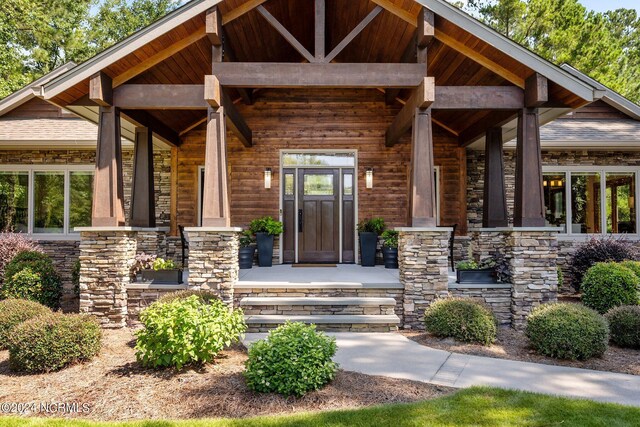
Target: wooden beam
(160,97)
(193,125)
(536,91)
(480,59)
(212,91)
(292,75)
(409,55)
(163,132)
(422,197)
(478,98)
(230,56)
(352,35)
(241,10)
(216,97)
(479,128)
(401,13)
(494,201)
(142,212)
(528,202)
(421,98)
(286,34)
(213,26)
(215,199)
(101,90)
(426,28)
(320,24)
(159,57)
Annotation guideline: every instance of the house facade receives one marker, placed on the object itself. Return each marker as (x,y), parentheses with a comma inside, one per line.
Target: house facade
(321,115)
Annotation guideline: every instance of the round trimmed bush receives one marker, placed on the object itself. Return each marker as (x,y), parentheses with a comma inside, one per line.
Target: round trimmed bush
(204,296)
(15,311)
(609,284)
(567,331)
(185,331)
(462,319)
(52,341)
(38,264)
(624,325)
(11,244)
(633,266)
(293,360)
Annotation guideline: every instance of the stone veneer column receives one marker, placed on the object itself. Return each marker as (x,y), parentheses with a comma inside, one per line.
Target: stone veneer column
(423,262)
(533,264)
(153,241)
(213,259)
(106,255)
(487,242)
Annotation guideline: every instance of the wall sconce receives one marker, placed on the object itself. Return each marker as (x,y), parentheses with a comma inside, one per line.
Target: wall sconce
(267,178)
(369,178)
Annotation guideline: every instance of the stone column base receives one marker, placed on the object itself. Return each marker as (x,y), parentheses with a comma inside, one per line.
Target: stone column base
(423,262)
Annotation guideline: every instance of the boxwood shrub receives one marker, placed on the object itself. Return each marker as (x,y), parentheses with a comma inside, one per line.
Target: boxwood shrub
(204,296)
(609,284)
(41,275)
(633,266)
(15,311)
(187,330)
(567,331)
(462,319)
(52,341)
(293,360)
(624,325)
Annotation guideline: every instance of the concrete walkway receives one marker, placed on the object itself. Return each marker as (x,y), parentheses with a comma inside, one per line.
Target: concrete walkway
(393,355)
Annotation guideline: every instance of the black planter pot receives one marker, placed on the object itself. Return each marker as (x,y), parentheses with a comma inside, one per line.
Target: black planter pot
(162,277)
(368,243)
(476,276)
(265,249)
(390,256)
(245,256)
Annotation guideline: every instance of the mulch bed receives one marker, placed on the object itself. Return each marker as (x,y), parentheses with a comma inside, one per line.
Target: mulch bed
(117,388)
(514,345)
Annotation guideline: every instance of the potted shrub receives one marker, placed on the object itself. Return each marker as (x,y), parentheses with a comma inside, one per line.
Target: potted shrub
(369,230)
(152,269)
(390,248)
(264,229)
(472,272)
(247,250)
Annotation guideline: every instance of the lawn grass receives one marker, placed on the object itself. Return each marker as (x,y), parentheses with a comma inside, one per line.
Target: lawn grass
(478,406)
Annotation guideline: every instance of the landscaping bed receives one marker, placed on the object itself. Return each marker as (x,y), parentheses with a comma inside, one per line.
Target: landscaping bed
(116,387)
(513,345)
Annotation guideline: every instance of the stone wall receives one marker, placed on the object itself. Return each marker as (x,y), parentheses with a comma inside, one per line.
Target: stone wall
(64,254)
(140,297)
(496,297)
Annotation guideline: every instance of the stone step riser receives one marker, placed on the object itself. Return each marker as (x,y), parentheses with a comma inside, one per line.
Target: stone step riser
(294,310)
(348,327)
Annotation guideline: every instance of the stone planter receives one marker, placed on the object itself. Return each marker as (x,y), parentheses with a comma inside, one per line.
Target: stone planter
(390,256)
(162,277)
(483,276)
(245,256)
(368,243)
(265,249)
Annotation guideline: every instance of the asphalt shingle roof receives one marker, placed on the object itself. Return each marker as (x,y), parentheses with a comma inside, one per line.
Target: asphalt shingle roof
(591,130)
(68,129)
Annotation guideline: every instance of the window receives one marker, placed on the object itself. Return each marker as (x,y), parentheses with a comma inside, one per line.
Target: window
(591,200)
(318,185)
(50,200)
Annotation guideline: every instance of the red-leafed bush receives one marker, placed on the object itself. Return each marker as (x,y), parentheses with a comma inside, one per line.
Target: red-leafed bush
(11,244)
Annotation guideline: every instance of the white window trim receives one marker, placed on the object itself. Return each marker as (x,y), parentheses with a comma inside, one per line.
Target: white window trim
(603,170)
(31,170)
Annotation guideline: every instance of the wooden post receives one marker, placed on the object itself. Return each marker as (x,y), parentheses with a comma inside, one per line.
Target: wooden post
(494,208)
(529,202)
(108,190)
(422,198)
(215,200)
(143,211)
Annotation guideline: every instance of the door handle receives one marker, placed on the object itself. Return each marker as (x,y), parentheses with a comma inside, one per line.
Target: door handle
(299,220)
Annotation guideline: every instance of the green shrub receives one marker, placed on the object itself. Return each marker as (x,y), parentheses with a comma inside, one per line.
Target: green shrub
(266,224)
(185,331)
(390,238)
(15,311)
(373,225)
(25,284)
(462,319)
(567,331)
(560,277)
(293,360)
(50,342)
(204,296)
(11,244)
(75,277)
(41,265)
(633,266)
(624,325)
(164,264)
(467,265)
(607,285)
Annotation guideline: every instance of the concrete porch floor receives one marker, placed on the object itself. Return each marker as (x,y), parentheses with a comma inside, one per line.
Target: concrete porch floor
(342,273)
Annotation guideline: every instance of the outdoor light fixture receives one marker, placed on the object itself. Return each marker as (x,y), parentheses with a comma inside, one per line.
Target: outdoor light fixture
(267,178)
(369,178)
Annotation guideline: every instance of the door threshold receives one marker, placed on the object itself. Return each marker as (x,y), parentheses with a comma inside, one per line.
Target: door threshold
(314,265)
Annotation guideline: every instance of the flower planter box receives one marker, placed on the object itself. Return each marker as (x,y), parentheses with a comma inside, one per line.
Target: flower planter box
(476,276)
(162,277)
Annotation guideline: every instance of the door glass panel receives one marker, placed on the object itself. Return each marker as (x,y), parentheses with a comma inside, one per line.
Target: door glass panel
(48,201)
(80,199)
(288,184)
(347,184)
(585,202)
(554,200)
(319,159)
(318,185)
(621,209)
(14,192)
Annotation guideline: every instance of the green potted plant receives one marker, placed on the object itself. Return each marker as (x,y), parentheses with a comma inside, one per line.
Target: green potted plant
(264,229)
(390,248)
(369,230)
(247,250)
(157,270)
(473,272)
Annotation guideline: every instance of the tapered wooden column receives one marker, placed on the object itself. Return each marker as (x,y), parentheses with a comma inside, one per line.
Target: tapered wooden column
(143,211)
(494,207)
(108,199)
(215,200)
(422,197)
(529,203)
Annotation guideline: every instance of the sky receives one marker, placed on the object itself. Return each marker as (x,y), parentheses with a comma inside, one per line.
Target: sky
(604,5)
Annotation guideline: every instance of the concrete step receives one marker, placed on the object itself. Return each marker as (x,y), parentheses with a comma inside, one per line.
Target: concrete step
(328,322)
(312,301)
(314,285)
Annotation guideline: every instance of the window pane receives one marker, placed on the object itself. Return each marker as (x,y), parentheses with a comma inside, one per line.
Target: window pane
(319,159)
(621,208)
(48,202)
(318,185)
(554,200)
(80,199)
(585,202)
(288,184)
(348,184)
(14,199)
